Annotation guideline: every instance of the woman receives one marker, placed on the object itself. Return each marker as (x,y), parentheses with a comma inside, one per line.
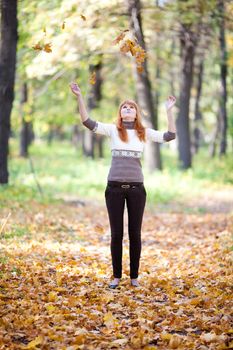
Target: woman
(125,178)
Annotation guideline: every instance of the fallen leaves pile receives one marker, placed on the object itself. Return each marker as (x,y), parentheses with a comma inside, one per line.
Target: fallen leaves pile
(56,266)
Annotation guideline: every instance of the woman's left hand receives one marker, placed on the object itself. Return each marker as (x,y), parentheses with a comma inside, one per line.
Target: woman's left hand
(170,102)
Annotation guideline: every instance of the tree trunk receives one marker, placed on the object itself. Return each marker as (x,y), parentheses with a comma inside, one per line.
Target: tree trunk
(143,88)
(197,112)
(223,89)
(157,96)
(89,140)
(187,43)
(173,68)
(99,145)
(50,135)
(75,136)
(26,133)
(215,138)
(8,47)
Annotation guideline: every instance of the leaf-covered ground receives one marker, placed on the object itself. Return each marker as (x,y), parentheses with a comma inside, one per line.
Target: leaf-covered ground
(56,266)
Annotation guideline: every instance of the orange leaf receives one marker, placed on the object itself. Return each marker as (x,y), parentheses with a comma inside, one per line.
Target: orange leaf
(124,48)
(139,69)
(47,47)
(120,37)
(37,47)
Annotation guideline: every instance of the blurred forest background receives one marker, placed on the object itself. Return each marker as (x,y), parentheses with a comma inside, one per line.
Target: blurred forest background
(144,50)
(54,231)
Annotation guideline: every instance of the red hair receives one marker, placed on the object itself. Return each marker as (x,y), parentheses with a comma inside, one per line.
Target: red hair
(140,129)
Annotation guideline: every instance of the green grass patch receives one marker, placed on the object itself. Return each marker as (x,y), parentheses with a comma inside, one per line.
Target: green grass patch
(16,231)
(62,170)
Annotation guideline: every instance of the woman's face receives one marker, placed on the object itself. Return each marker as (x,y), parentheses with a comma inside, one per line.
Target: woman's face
(128,112)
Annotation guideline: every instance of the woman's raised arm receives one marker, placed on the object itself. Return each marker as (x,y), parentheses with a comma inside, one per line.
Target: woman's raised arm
(169,105)
(97,127)
(82,109)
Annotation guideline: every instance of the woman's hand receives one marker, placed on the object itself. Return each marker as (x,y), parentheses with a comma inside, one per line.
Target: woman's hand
(170,102)
(75,89)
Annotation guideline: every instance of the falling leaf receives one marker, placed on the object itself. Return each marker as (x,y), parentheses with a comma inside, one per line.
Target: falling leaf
(136,50)
(63,25)
(120,37)
(83,17)
(37,47)
(47,47)
(139,69)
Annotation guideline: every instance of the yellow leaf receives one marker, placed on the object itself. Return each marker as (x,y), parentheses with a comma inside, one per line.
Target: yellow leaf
(107,297)
(109,320)
(50,308)
(230,60)
(52,296)
(83,250)
(92,79)
(196,291)
(59,278)
(165,336)
(37,341)
(3,296)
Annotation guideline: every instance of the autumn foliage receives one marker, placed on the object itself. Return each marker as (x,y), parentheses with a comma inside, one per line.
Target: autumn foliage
(56,266)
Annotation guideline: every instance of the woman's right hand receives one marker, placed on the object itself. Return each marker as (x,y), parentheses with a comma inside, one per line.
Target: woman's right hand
(75,89)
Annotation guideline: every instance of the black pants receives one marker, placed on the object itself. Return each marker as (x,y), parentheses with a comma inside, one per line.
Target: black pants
(135,198)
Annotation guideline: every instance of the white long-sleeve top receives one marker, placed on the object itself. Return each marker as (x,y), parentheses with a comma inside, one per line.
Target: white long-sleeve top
(126,164)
